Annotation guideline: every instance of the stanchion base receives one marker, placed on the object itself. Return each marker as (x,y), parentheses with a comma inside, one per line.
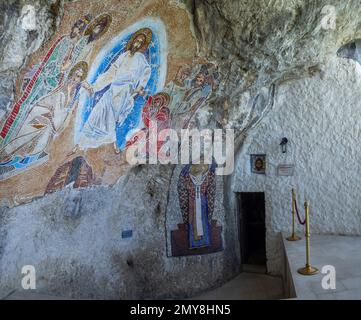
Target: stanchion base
(308,271)
(293,238)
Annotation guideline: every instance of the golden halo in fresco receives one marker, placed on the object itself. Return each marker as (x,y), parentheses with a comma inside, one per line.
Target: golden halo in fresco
(148,35)
(80,65)
(163,97)
(103,20)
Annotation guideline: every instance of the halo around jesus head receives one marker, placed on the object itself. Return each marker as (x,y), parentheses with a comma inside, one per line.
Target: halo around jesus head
(148,35)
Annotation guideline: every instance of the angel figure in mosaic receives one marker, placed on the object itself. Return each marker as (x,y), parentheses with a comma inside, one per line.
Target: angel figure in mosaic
(196,93)
(44,77)
(46,120)
(54,68)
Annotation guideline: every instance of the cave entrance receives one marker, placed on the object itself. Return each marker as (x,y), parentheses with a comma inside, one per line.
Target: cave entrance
(251,210)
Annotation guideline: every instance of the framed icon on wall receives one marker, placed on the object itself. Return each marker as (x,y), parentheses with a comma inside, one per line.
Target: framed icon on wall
(258,163)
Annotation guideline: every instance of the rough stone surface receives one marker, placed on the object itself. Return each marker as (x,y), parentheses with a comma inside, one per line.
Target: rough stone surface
(259,43)
(74,239)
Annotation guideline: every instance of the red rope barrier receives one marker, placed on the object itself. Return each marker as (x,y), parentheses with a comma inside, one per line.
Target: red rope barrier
(298,215)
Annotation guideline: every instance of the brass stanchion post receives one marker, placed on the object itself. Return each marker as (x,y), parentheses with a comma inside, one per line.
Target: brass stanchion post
(308,270)
(293,237)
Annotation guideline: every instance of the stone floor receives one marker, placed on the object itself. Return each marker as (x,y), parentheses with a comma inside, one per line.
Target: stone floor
(247,286)
(344,253)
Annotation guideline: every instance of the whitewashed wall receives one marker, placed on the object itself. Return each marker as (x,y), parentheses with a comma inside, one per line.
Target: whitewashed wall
(321,117)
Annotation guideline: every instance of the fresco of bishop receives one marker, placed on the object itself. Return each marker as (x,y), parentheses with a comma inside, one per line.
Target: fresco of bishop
(196,191)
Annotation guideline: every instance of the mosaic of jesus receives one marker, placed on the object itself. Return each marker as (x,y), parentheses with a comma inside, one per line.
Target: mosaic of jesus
(125,75)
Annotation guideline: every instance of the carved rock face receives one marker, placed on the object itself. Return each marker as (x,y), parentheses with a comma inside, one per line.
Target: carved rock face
(273,39)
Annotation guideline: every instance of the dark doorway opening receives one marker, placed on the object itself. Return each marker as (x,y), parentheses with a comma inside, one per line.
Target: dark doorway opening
(251,207)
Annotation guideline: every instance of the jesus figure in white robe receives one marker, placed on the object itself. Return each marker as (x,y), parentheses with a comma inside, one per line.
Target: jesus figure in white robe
(127,77)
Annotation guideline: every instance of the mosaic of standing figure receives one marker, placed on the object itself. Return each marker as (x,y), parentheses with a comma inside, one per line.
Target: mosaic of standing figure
(52,70)
(199,232)
(49,90)
(125,76)
(44,121)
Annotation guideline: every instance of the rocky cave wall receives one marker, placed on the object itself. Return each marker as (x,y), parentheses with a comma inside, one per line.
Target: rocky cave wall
(74,240)
(259,48)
